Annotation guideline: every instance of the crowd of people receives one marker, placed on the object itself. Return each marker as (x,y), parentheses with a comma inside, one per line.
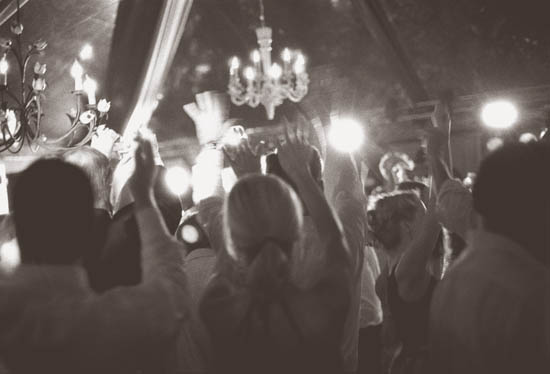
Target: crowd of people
(283,273)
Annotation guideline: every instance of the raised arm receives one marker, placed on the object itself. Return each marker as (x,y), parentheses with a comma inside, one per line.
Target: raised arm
(343,169)
(438,142)
(241,156)
(294,154)
(349,202)
(160,251)
(149,314)
(412,275)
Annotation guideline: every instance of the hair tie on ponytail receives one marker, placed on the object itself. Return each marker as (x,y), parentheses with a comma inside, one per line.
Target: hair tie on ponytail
(268,270)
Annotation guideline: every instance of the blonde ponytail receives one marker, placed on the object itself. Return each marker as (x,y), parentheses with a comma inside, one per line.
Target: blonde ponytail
(268,271)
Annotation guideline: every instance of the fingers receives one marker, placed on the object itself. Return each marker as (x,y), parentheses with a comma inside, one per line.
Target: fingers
(296,133)
(192,110)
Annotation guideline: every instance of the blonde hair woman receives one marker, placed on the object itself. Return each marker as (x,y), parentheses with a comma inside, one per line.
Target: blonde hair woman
(258,320)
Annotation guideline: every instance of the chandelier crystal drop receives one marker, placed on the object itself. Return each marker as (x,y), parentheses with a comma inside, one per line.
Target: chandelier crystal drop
(268,83)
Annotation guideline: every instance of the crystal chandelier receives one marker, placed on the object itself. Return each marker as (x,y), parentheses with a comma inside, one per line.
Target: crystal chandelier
(266,83)
(21,110)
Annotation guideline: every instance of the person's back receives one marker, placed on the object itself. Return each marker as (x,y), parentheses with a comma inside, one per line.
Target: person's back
(258,319)
(286,336)
(309,262)
(194,352)
(51,322)
(50,319)
(490,312)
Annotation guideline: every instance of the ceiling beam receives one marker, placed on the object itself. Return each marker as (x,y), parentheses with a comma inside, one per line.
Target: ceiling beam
(375,20)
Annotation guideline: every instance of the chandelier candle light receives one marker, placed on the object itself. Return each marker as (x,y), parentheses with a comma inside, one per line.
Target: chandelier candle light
(21,106)
(268,83)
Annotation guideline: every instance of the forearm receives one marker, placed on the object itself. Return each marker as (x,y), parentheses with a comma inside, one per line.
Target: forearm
(322,215)
(411,273)
(348,178)
(157,245)
(207,175)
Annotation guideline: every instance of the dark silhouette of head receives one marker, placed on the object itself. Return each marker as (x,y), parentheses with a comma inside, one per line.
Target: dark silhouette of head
(273,166)
(512,192)
(393,215)
(53,213)
(98,169)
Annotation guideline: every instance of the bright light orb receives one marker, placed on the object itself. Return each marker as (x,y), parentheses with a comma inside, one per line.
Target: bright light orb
(346,135)
(89,84)
(178,180)
(494,143)
(249,73)
(86,52)
(11,257)
(4,66)
(528,138)
(275,71)
(499,114)
(300,64)
(190,234)
(255,56)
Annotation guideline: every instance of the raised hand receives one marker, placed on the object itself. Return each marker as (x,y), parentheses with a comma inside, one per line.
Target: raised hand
(209,114)
(104,140)
(145,173)
(241,156)
(294,151)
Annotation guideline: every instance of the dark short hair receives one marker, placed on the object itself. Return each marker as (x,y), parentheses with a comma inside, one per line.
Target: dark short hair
(53,213)
(512,192)
(388,211)
(273,166)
